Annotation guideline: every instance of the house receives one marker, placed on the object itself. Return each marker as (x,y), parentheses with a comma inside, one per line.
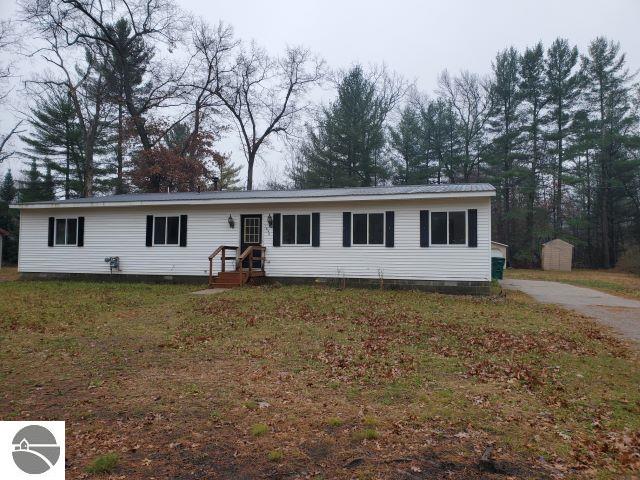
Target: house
(557,255)
(432,237)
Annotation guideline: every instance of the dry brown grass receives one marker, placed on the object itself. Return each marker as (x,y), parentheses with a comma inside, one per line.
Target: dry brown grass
(610,281)
(9,273)
(343,384)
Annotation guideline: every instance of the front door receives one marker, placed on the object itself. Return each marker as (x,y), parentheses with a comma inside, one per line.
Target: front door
(250,234)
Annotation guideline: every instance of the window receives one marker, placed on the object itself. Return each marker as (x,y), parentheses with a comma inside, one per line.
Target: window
(296,229)
(449,228)
(368,228)
(166,230)
(66,231)
(251,233)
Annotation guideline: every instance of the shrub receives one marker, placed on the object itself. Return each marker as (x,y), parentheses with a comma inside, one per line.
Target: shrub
(259,429)
(103,464)
(334,422)
(366,434)
(275,455)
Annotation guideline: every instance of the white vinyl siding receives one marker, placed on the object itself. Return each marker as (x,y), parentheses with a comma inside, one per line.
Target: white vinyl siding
(120,231)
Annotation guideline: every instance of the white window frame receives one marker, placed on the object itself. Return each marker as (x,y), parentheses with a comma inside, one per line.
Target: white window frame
(384,230)
(166,231)
(66,232)
(466,229)
(295,230)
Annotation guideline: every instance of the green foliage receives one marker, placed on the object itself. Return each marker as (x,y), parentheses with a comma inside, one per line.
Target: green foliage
(275,455)
(345,147)
(8,190)
(103,464)
(365,434)
(259,429)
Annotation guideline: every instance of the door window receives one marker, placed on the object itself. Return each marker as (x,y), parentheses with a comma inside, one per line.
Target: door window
(251,230)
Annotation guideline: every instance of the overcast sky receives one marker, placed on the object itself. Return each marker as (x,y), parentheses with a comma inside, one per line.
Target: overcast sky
(417,39)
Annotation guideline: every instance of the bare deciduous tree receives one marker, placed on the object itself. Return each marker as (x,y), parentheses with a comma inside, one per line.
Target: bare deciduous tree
(8,41)
(91,25)
(469,97)
(263,95)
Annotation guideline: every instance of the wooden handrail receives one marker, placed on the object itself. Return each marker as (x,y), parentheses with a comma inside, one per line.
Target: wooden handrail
(249,252)
(223,258)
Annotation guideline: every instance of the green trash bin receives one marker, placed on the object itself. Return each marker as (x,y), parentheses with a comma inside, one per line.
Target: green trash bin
(497,267)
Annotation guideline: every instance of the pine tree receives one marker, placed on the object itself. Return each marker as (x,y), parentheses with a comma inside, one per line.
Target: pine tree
(124,69)
(345,148)
(563,90)
(228,175)
(409,142)
(534,98)
(608,96)
(8,190)
(30,189)
(505,125)
(9,219)
(125,62)
(56,136)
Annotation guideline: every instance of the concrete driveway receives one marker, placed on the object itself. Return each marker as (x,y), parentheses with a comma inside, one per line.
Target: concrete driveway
(621,314)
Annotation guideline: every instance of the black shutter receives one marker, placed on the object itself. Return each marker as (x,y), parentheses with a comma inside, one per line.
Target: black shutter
(390,227)
(149,230)
(346,229)
(315,229)
(183,230)
(424,228)
(80,242)
(52,225)
(473,227)
(276,229)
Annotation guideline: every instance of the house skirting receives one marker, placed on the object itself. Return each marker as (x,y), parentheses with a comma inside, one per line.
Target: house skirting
(456,287)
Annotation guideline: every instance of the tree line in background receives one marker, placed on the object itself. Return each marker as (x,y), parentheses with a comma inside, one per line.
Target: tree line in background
(556,132)
(136,94)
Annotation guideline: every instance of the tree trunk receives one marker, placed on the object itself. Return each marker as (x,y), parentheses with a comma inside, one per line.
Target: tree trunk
(120,179)
(250,162)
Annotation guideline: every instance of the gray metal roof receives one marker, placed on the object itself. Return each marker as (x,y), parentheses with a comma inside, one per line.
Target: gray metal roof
(278,194)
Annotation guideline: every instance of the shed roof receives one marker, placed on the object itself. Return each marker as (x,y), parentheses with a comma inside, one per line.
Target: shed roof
(271,196)
(558,241)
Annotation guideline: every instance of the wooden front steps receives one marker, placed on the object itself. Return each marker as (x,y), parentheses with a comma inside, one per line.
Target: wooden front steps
(240,276)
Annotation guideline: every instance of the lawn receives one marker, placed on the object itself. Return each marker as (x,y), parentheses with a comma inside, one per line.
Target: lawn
(610,281)
(312,382)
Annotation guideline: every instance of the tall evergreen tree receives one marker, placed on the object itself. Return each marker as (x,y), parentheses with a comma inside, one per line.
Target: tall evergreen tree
(563,90)
(409,142)
(124,64)
(608,96)
(345,148)
(534,98)
(55,135)
(8,190)
(505,125)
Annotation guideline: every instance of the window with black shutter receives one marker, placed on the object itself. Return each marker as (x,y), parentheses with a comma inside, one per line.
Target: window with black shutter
(166,230)
(65,231)
(296,229)
(368,228)
(449,228)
